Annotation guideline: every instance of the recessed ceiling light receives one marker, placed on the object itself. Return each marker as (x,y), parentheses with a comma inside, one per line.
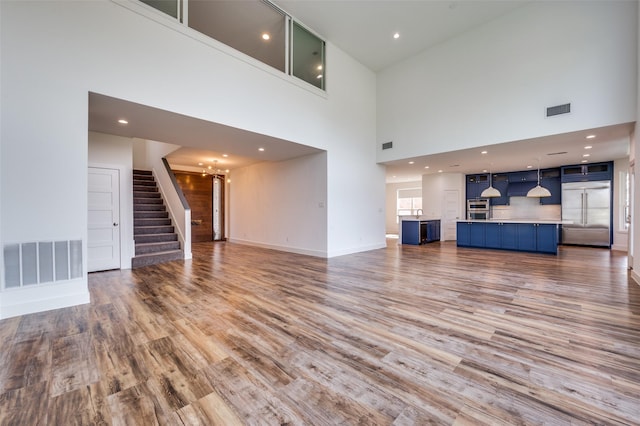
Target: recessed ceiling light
(266,36)
(200,164)
(319,68)
(439,171)
(588,147)
(529,167)
(261,149)
(484,171)
(396,35)
(584,161)
(483,152)
(123,121)
(319,76)
(412,162)
(586,155)
(426,167)
(225,155)
(590,136)
(226,171)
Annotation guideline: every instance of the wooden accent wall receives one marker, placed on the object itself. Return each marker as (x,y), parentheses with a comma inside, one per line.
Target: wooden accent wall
(198,190)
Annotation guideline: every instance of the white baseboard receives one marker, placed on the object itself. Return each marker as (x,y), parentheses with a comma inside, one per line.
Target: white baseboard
(316,253)
(358,249)
(635,277)
(39,298)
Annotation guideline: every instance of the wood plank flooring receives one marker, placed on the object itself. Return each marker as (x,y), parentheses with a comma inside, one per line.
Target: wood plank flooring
(407,335)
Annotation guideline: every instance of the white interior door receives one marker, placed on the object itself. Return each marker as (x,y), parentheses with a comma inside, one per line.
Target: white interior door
(104,219)
(450,214)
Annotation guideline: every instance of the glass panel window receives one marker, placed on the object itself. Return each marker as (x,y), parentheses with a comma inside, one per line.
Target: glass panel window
(307,56)
(255,28)
(409,201)
(170,7)
(625,212)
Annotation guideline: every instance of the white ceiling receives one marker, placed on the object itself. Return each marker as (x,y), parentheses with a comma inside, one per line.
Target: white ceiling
(363,29)
(202,141)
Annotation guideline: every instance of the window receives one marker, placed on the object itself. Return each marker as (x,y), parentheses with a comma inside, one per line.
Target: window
(170,7)
(307,56)
(625,191)
(257,28)
(409,201)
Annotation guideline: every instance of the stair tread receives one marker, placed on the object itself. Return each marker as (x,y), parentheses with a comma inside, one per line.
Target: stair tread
(158,253)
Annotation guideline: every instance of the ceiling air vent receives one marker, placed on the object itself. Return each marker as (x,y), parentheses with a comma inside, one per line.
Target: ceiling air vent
(558,109)
(387,145)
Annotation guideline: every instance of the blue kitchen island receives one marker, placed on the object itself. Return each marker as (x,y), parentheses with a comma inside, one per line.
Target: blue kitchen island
(521,235)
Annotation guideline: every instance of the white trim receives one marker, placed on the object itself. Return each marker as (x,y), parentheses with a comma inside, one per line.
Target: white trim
(127,243)
(38,298)
(315,253)
(635,277)
(359,249)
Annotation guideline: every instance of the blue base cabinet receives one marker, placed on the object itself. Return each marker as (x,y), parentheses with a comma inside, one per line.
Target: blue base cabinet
(420,231)
(531,237)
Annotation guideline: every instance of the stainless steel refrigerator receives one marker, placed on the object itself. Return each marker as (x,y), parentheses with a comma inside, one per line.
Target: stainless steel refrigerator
(588,206)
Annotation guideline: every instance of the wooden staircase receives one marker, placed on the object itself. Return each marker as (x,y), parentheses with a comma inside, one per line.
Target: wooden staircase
(154,235)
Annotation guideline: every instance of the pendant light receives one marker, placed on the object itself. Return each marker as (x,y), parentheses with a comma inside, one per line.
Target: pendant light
(490,192)
(538,191)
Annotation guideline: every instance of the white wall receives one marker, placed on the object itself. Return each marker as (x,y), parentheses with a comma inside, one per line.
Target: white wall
(281,205)
(493,84)
(55,52)
(434,187)
(391,203)
(116,152)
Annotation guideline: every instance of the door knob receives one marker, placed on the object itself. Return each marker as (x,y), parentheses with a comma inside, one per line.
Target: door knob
(115,223)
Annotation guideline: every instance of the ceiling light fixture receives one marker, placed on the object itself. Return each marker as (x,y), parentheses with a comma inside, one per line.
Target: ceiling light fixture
(588,147)
(412,162)
(261,149)
(590,136)
(123,121)
(538,191)
(586,155)
(584,161)
(396,35)
(490,192)
(266,36)
(426,167)
(483,152)
(225,155)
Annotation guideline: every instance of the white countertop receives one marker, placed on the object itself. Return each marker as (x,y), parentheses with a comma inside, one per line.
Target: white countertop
(545,221)
(419,218)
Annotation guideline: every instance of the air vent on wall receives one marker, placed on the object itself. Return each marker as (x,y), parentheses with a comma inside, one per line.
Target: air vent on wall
(387,145)
(558,109)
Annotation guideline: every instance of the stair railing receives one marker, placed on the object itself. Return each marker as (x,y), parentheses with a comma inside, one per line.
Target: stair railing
(177,204)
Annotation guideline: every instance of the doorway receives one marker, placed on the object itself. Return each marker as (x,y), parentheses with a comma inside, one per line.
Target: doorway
(103,242)
(205,195)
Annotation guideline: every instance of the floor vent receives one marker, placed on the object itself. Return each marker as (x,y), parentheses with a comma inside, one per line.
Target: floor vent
(42,262)
(558,109)
(387,145)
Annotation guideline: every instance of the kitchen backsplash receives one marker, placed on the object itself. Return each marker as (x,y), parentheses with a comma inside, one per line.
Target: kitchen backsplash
(526,208)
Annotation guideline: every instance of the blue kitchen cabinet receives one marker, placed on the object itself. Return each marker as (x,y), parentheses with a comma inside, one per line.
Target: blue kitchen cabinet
(410,232)
(470,234)
(533,237)
(547,238)
(493,235)
(587,172)
(462,233)
(555,187)
(476,234)
(500,181)
(420,231)
(509,236)
(476,184)
(526,236)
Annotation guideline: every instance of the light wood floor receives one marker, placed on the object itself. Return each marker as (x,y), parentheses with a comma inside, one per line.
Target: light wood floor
(404,335)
